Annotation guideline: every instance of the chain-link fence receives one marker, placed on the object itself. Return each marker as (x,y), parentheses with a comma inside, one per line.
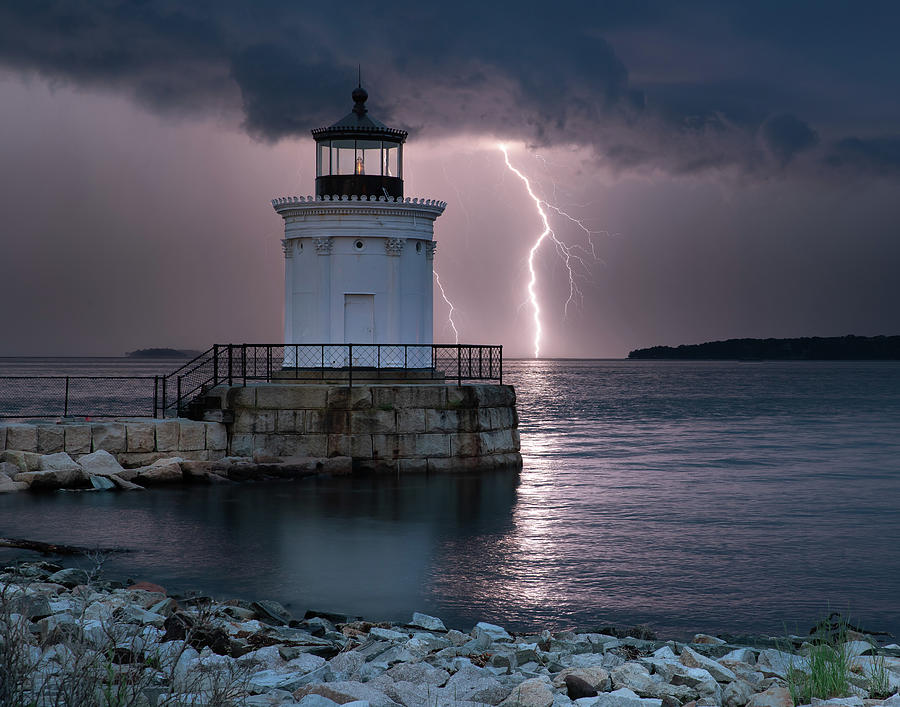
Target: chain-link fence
(79,396)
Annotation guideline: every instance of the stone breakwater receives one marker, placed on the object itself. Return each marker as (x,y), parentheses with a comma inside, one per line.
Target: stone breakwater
(101,471)
(68,639)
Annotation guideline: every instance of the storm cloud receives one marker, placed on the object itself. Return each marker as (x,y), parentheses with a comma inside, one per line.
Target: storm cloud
(619,77)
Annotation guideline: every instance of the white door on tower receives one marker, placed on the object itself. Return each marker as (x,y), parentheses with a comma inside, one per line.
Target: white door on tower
(359,319)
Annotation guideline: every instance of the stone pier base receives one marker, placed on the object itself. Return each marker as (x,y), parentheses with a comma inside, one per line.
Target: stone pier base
(388,427)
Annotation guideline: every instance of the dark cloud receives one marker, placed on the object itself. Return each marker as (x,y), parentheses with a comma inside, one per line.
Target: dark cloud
(786,135)
(878,155)
(547,75)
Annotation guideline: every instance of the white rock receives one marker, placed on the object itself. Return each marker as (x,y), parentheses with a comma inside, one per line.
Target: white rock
(100,463)
(744,655)
(316,701)
(855,648)
(386,634)
(431,623)
(693,659)
(58,462)
(7,485)
(492,631)
(706,639)
(665,653)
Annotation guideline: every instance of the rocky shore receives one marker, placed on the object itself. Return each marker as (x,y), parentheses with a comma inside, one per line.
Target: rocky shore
(70,638)
(101,471)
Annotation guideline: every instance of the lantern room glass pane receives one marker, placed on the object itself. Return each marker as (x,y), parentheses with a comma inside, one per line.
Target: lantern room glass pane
(343,156)
(368,157)
(323,159)
(391,159)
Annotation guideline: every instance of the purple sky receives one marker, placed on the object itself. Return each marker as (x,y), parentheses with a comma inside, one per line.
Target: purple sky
(738,166)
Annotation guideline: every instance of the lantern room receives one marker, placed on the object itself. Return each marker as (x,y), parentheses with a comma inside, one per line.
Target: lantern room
(358,155)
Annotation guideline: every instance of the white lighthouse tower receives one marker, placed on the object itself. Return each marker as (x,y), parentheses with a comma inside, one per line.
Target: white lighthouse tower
(358,255)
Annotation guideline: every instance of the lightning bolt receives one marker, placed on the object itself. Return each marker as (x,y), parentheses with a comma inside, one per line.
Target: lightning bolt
(569,254)
(437,279)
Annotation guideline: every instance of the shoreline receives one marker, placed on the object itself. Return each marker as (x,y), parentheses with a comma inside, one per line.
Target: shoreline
(260,654)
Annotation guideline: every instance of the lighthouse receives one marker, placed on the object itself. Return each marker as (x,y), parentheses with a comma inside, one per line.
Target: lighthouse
(359,254)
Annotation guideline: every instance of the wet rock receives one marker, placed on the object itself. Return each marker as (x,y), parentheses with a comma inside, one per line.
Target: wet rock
(775,696)
(102,483)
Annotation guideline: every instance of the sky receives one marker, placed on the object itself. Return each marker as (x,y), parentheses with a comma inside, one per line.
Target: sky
(715,169)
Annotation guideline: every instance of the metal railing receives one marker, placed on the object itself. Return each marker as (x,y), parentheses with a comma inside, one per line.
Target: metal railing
(79,396)
(235,364)
(239,363)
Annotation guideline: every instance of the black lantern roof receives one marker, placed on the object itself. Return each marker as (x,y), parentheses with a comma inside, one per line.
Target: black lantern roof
(358,123)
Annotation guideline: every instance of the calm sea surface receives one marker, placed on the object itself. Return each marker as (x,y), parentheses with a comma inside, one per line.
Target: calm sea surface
(690,496)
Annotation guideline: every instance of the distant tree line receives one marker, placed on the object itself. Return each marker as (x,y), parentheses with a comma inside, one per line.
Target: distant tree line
(812,348)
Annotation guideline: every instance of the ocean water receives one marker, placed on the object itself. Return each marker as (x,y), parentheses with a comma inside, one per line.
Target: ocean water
(692,496)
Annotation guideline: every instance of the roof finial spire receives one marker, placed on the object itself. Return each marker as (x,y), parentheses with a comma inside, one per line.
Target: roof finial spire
(359,95)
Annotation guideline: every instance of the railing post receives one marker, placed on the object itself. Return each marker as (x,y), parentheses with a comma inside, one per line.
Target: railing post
(323,361)
(155,393)
(178,399)
(269,363)
(244,364)
(501,364)
(230,364)
(458,365)
(350,368)
(66,400)
(296,361)
(215,365)
(165,383)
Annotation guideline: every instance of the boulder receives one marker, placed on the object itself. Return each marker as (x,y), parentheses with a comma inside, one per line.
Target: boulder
(272,612)
(418,673)
(595,676)
(164,471)
(744,655)
(344,691)
(620,698)
(492,631)
(100,463)
(7,485)
(52,480)
(430,623)
(577,687)
(775,696)
(58,462)
(14,458)
(708,640)
(9,469)
(531,693)
(737,694)
(692,659)
(70,577)
(124,485)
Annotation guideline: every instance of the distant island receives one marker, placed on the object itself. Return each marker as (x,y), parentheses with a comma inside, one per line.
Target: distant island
(813,348)
(162,353)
